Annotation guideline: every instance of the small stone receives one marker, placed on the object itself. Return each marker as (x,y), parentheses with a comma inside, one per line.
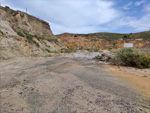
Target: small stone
(140,109)
(12,109)
(20,93)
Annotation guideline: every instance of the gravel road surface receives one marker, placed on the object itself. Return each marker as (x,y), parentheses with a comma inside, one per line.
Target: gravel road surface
(65,85)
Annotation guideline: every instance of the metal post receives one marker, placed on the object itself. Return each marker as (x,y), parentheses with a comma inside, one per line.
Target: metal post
(26,10)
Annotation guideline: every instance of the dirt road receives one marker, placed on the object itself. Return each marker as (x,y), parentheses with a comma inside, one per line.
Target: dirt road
(65,85)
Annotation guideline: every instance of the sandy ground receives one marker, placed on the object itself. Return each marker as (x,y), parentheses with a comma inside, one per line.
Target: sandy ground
(139,78)
(65,85)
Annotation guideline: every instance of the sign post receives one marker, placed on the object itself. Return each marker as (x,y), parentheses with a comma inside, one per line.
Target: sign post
(128,45)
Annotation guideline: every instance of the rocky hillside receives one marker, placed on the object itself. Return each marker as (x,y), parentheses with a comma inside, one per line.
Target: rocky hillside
(99,41)
(22,35)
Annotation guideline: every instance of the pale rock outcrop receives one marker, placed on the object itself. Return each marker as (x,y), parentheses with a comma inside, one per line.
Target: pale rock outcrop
(12,45)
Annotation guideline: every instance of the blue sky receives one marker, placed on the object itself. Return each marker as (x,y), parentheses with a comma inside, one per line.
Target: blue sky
(88,16)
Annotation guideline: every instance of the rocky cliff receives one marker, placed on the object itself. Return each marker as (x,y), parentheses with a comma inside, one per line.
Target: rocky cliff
(19,21)
(22,35)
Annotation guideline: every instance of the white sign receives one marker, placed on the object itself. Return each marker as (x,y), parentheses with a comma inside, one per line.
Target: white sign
(128,44)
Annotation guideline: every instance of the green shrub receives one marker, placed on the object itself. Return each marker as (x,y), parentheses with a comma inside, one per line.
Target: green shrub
(40,38)
(51,51)
(29,37)
(109,49)
(48,50)
(94,40)
(53,40)
(114,50)
(95,50)
(20,34)
(70,50)
(88,49)
(143,61)
(129,57)
(7,7)
(54,52)
(37,44)
(35,36)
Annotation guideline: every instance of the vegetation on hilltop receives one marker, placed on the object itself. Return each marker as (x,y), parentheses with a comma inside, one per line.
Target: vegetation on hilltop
(113,36)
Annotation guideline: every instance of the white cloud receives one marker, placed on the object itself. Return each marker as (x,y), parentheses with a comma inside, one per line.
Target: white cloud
(6,3)
(80,13)
(83,29)
(147,8)
(128,6)
(73,14)
(139,2)
(82,16)
(141,24)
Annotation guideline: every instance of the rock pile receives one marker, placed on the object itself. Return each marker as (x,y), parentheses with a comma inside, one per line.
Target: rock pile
(104,57)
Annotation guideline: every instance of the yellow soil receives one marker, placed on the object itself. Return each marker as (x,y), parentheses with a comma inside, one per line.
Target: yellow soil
(142,84)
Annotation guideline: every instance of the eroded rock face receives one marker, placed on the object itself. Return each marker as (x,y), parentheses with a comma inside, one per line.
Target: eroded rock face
(18,21)
(97,41)
(11,44)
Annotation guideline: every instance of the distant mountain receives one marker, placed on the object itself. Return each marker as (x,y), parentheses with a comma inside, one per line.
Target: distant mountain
(98,41)
(112,36)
